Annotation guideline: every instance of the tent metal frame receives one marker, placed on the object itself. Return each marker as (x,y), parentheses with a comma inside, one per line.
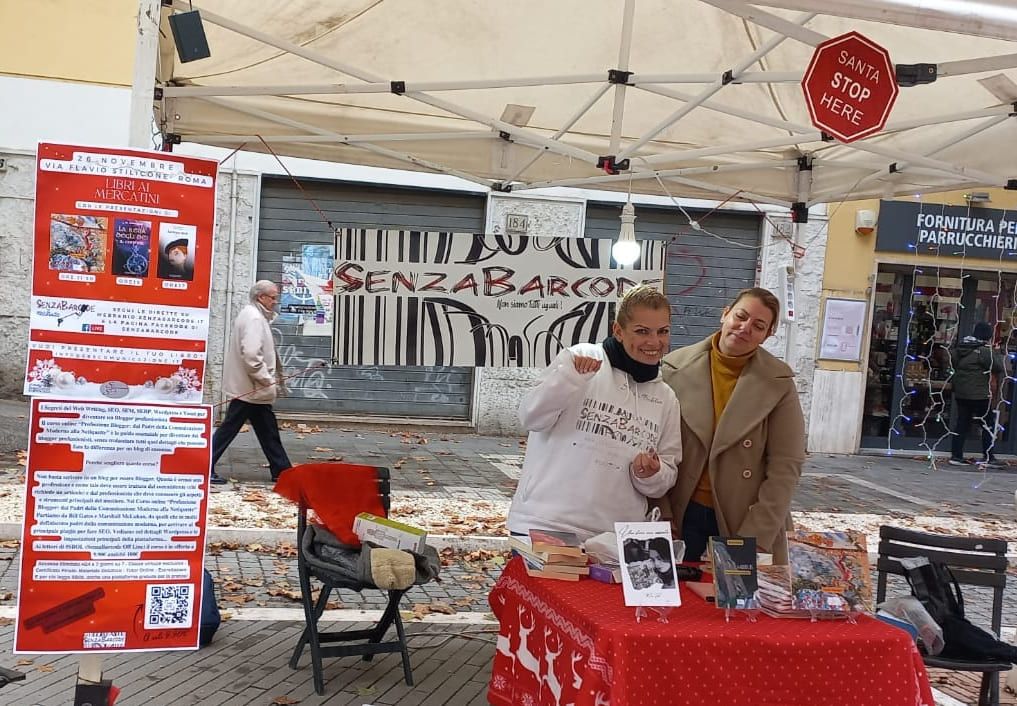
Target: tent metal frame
(644,162)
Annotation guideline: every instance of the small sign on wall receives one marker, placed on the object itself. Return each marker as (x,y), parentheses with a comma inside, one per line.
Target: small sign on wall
(535,216)
(843,330)
(517,224)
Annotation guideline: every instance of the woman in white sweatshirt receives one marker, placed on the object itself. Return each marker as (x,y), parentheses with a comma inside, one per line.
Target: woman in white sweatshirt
(604,429)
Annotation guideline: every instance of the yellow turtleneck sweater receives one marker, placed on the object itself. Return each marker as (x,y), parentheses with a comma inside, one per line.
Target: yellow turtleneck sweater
(724,372)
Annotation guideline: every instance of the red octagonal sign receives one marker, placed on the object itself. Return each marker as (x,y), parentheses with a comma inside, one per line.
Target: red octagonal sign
(850,87)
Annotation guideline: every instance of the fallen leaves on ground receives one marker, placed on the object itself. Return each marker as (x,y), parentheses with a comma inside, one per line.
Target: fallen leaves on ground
(45,668)
(284,701)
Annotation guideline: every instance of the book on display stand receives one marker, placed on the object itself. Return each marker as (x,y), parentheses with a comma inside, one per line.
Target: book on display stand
(649,578)
(736,588)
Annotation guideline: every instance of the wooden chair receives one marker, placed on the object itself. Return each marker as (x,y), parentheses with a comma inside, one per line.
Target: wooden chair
(369,641)
(974,561)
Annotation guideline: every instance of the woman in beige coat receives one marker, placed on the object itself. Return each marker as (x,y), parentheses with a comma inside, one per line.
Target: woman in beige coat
(743,436)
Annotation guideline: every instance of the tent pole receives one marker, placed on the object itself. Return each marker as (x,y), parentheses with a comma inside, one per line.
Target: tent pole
(766,48)
(146,52)
(519,133)
(883,192)
(746,77)
(663,158)
(434,166)
(346,139)
(976,66)
(954,169)
(945,144)
(376,87)
(1000,110)
(985,18)
(638,174)
(624,51)
(771,21)
(730,110)
(583,109)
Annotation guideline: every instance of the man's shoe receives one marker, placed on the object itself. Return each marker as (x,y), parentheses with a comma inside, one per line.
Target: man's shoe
(993,463)
(958,462)
(216,479)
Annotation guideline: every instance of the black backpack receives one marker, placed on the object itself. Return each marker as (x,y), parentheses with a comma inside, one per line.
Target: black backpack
(935,586)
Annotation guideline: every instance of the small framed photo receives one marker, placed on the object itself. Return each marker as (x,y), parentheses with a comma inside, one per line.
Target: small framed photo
(648,570)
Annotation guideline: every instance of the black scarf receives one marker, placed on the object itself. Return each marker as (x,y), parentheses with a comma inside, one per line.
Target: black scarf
(620,360)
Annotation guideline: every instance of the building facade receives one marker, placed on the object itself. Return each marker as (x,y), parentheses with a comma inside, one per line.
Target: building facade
(934,266)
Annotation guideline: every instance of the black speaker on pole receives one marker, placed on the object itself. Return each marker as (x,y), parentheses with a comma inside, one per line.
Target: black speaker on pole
(189,36)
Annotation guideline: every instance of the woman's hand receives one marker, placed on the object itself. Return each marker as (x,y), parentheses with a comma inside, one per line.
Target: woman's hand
(585,364)
(645,464)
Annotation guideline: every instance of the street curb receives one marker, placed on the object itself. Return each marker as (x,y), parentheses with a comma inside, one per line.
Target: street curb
(254,535)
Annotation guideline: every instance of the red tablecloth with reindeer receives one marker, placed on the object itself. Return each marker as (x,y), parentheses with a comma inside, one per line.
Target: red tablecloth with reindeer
(564,642)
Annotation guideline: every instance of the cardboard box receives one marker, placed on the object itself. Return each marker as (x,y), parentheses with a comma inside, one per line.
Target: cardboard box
(389,533)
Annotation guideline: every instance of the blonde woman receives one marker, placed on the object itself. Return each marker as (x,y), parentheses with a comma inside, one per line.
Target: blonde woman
(603,428)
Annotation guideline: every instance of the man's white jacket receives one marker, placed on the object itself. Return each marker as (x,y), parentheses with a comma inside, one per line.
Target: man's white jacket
(585,430)
(249,372)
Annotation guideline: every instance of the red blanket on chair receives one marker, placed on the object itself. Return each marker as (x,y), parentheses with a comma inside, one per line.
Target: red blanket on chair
(337,492)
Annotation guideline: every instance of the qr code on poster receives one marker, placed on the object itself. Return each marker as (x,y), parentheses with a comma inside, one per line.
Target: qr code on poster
(169,605)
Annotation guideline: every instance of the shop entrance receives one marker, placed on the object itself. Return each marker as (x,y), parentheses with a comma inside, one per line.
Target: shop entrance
(919,315)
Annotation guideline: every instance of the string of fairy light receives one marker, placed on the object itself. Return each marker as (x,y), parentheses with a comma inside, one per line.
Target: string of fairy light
(926,349)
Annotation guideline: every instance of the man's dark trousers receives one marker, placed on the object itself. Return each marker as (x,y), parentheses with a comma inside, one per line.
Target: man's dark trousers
(266,428)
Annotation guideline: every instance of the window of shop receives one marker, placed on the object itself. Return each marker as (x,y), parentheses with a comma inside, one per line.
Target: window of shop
(920,315)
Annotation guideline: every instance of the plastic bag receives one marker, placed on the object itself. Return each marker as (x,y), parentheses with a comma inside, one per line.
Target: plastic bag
(910,609)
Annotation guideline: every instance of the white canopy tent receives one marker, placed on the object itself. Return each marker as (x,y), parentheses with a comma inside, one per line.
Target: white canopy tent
(702,97)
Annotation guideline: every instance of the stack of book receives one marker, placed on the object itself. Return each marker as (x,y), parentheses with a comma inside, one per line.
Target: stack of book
(551,555)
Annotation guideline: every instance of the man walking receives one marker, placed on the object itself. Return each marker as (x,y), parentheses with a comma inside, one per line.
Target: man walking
(252,379)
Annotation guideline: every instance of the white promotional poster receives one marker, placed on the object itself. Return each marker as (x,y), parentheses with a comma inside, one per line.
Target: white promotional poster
(452,299)
(648,568)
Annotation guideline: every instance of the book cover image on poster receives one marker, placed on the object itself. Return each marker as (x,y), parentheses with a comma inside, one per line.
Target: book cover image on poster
(77,243)
(131,247)
(830,571)
(734,572)
(648,570)
(176,251)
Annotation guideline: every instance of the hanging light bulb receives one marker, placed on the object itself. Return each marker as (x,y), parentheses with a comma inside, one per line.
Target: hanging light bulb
(625,250)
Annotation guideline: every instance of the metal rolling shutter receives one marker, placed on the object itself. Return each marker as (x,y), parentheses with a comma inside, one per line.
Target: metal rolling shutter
(703,273)
(287,222)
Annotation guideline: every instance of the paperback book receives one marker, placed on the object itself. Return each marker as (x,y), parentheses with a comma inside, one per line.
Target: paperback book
(547,564)
(830,572)
(734,572)
(556,542)
(648,568)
